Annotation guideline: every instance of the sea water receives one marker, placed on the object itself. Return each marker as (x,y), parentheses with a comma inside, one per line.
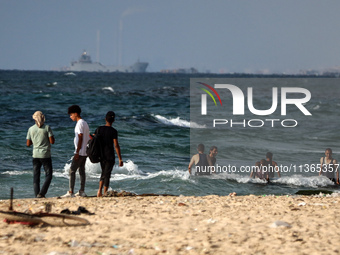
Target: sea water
(153,123)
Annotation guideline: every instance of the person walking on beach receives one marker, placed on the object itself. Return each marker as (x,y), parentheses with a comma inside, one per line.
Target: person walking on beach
(41,136)
(271,167)
(200,160)
(329,166)
(82,136)
(109,140)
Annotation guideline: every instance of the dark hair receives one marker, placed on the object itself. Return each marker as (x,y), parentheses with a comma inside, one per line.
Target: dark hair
(213,148)
(110,116)
(269,155)
(329,149)
(74,109)
(263,161)
(200,147)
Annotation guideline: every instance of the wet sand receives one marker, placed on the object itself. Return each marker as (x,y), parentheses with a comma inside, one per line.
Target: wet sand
(181,225)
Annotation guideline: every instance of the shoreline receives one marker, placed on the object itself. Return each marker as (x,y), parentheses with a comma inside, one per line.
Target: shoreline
(180,225)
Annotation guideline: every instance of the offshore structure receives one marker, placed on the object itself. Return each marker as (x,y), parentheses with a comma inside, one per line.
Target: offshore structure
(85,64)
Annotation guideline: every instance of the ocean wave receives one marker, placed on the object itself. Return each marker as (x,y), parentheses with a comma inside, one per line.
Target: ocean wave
(94,170)
(299,180)
(295,180)
(129,171)
(173,174)
(17,172)
(169,88)
(108,89)
(177,122)
(167,175)
(51,84)
(70,74)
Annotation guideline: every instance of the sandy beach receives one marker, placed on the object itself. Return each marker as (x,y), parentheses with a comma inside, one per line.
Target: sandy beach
(180,225)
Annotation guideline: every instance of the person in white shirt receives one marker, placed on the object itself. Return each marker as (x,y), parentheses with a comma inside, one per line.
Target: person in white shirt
(82,136)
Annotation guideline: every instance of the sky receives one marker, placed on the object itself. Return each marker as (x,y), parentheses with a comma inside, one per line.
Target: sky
(251,36)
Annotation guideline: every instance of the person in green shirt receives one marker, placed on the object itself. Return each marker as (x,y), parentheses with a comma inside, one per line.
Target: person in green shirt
(41,136)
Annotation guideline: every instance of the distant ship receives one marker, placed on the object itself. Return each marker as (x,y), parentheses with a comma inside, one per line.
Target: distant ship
(85,64)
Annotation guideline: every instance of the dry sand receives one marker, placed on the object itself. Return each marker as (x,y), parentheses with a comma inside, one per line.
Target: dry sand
(181,225)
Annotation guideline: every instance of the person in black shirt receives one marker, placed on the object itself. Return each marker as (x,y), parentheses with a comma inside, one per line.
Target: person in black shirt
(329,166)
(109,141)
(200,160)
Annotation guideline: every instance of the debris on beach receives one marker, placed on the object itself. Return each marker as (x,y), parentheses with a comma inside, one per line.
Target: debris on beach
(52,219)
(80,210)
(279,223)
(114,193)
(44,218)
(123,193)
(233,194)
(313,192)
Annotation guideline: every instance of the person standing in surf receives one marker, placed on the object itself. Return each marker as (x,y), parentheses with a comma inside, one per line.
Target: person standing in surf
(82,136)
(329,166)
(212,158)
(271,167)
(200,160)
(109,139)
(41,136)
(212,155)
(257,171)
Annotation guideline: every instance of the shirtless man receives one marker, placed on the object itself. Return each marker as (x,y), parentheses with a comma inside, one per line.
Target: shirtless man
(329,166)
(200,160)
(257,172)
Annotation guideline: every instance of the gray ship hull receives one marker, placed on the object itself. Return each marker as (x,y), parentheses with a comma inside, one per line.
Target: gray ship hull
(86,65)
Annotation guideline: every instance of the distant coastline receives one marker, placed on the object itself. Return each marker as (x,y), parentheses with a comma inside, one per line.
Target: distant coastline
(197,74)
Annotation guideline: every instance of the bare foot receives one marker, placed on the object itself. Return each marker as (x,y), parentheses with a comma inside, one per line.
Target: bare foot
(99,194)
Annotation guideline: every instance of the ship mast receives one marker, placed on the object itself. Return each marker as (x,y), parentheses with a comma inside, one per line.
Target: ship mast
(120,43)
(98,46)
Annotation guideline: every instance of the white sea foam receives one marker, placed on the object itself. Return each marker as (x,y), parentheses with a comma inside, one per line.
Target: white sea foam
(16,172)
(299,180)
(174,174)
(52,84)
(108,89)
(177,122)
(94,170)
(129,166)
(130,171)
(70,74)
(296,180)
(167,174)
